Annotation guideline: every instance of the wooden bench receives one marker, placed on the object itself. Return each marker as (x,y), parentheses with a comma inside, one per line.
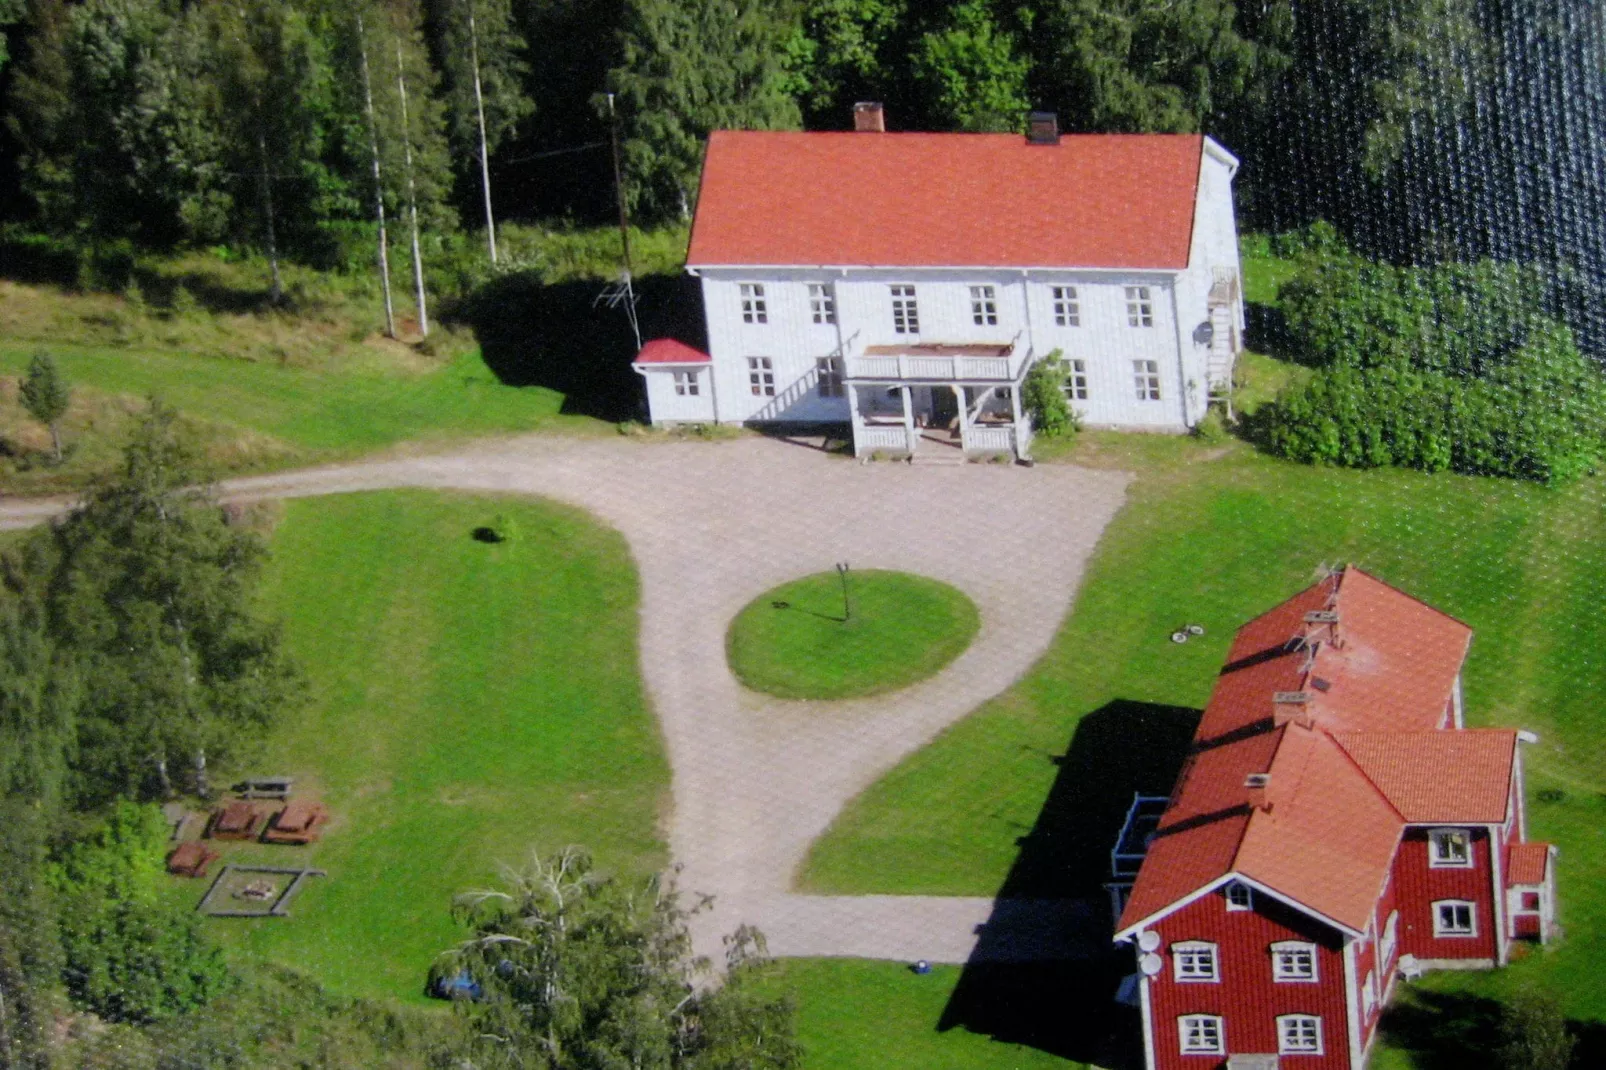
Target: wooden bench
(297,823)
(269,787)
(191,859)
(236,821)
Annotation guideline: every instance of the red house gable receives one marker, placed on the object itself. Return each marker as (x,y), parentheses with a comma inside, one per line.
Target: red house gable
(946,200)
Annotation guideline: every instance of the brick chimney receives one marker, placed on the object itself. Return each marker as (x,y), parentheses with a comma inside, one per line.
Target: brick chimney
(869,117)
(1257,786)
(1042,128)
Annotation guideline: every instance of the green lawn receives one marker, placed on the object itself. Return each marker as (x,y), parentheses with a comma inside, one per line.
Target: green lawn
(1215,539)
(800,640)
(469,702)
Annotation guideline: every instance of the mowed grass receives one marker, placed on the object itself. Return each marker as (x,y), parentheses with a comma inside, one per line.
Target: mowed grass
(469,703)
(809,639)
(891,1020)
(1216,539)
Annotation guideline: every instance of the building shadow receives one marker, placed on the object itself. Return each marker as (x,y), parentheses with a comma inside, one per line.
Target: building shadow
(562,338)
(1458,1031)
(1067,1006)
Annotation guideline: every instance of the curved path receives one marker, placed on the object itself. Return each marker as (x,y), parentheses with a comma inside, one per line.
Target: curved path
(712,525)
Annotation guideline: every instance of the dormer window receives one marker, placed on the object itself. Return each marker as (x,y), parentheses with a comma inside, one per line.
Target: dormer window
(1450,849)
(754,307)
(1194,960)
(1240,896)
(1293,960)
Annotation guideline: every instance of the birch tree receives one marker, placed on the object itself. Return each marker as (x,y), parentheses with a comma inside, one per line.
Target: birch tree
(371,117)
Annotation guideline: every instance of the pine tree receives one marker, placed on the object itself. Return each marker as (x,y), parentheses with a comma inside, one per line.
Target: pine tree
(46,396)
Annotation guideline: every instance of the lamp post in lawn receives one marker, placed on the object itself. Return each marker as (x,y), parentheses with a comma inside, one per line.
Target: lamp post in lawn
(847,606)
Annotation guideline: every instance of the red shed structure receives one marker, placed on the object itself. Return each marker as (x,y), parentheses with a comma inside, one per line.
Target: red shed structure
(1335,826)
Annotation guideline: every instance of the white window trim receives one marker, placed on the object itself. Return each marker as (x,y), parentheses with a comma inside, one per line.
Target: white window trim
(687,383)
(1285,1021)
(905,305)
(1281,974)
(1440,836)
(1184,1027)
(984,306)
(755,309)
(1192,949)
(1139,307)
(1146,379)
(1440,932)
(828,375)
(1076,388)
(1248,894)
(822,302)
(1067,306)
(1390,937)
(761,376)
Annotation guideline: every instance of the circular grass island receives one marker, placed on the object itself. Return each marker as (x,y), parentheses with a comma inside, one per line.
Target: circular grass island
(796,641)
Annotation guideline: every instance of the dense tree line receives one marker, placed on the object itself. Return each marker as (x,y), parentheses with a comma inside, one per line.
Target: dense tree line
(1423,128)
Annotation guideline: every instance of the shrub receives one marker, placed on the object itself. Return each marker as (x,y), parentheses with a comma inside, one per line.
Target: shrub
(1043,394)
(1212,430)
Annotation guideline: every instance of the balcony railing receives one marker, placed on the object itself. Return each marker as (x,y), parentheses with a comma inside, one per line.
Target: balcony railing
(1001,367)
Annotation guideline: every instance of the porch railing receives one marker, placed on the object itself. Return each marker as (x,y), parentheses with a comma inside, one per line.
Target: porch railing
(942,369)
(869,439)
(989,439)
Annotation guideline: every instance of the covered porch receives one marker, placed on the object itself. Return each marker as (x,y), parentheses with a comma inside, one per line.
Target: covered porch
(925,401)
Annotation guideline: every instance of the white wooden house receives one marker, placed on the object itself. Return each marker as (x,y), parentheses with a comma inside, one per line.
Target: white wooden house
(903,284)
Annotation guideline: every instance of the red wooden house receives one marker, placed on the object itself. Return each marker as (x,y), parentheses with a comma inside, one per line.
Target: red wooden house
(1334,827)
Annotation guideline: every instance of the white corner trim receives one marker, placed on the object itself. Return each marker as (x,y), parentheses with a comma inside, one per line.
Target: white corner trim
(1146,1008)
(1352,1008)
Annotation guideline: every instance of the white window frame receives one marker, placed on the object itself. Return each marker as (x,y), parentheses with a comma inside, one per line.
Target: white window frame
(1299,1034)
(828,372)
(1139,306)
(1390,935)
(1237,890)
(687,383)
(1440,930)
(905,309)
(761,376)
(1195,961)
(984,306)
(1202,1034)
(1369,996)
(1067,306)
(822,302)
(755,308)
(1076,379)
(1439,854)
(1146,378)
(1286,956)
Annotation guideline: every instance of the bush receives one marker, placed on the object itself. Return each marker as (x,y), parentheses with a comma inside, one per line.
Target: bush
(1212,430)
(1043,394)
(128,957)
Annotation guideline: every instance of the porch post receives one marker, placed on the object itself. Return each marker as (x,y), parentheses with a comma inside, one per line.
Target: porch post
(908,419)
(854,416)
(1015,410)
(964,418)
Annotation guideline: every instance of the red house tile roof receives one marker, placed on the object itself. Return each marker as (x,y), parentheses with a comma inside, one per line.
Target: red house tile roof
(941,200)
(1527,863)
(1349,757)
(669,351)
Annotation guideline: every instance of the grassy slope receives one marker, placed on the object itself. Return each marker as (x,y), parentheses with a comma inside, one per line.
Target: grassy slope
(901,629)
(469,702)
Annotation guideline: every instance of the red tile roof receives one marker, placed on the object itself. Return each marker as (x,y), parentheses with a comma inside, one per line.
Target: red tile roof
(669,351)
(1527,863)
(946,200)
(1439,776)
(1347,766)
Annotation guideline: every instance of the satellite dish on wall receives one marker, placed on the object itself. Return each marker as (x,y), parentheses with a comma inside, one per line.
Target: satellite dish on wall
(1151,965)
(1149,940)
(1204,334)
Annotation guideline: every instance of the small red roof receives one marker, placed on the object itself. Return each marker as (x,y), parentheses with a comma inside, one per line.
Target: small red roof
(669,351)
(946,200)
(1527,863)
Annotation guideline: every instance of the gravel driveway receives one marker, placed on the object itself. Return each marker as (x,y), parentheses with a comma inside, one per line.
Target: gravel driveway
(712,525)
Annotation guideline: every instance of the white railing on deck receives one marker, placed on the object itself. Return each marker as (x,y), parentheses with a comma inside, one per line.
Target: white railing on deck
(990,439)
(882,438)
(935,368)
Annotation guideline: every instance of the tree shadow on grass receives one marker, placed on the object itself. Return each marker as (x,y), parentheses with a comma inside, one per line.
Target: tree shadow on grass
(1067,1008)
(559,337)
(1458,1031)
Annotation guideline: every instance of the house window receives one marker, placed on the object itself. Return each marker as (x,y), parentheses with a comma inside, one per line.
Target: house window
(1386,950)
(1194,961)
(905,313)
(1201,1034)
(1454,917)
(1146,376)
(1067,309)
(822,302)
(1240,896)
(754,310)
(984,306)
(761,376)
(829,370)
(1293,960)
(1139,307)
(1076,381)
(1299,1034)
(1450,849)
(1369,995)
(686,384)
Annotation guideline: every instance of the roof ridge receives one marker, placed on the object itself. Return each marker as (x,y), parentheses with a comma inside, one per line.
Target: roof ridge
(1412,597)
(1361,769)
